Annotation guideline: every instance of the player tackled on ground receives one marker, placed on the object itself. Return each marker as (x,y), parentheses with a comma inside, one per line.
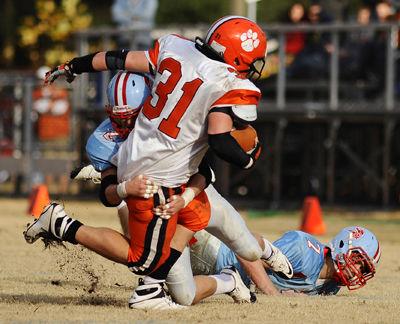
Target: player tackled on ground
(194,82)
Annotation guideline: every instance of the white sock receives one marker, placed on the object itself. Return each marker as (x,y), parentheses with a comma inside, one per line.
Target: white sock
(225,283)
(149,280)
(267,252)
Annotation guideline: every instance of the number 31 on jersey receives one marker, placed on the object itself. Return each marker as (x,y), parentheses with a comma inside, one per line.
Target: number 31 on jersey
(169,125)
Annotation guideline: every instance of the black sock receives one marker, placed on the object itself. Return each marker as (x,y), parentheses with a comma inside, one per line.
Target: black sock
(69,235)
(162,272)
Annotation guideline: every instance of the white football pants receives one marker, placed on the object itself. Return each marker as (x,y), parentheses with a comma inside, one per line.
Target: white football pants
(228,226)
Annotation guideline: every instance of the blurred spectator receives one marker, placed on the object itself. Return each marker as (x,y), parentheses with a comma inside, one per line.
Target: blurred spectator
(364,15)
(135,14)
(355,43)
(312,60)
(295,40)
(373,52)
(384,12)
(338,9)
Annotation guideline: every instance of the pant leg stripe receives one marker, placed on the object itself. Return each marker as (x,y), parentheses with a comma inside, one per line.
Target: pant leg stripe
(154,241)
(156,254)
(147,244)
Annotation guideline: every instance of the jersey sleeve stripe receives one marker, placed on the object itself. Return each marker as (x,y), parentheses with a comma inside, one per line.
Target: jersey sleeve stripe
(152,54)
(238,97)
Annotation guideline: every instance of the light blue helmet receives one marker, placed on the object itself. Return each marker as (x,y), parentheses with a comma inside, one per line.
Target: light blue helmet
(126,94)
(355,252)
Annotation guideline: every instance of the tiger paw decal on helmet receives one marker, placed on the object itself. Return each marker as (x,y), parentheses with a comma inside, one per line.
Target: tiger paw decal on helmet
(249,40)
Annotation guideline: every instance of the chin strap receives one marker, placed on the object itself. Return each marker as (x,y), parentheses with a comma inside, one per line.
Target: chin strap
(207,50)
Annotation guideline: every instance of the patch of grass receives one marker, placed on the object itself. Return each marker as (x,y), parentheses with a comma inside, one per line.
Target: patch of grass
(271,213)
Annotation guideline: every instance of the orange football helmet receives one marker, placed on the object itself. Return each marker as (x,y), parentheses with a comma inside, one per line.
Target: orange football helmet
(241,43)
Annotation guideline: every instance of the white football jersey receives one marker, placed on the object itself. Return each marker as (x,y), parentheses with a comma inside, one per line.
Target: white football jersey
(170,135)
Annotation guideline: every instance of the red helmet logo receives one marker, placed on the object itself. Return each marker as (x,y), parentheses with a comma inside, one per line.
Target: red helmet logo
(357,232)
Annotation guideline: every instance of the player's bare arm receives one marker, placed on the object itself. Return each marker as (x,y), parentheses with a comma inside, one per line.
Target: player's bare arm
(255,270)
(112,192)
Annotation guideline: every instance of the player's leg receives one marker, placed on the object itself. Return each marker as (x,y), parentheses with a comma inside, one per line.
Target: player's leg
(195,216)
(180,280)
(183,287)
(55,224)
(187,290)
(123,215)
(104,241)
(227,225)
(156,233)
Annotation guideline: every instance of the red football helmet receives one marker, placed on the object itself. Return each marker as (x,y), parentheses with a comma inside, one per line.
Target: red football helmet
(241,43)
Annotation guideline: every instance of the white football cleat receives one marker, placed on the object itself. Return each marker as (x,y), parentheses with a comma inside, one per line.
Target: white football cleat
(152,296)
(241,294)
(86,173)
(51,225)
(279,263)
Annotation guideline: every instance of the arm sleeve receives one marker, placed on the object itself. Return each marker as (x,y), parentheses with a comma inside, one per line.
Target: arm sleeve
(206,171)
(226,147)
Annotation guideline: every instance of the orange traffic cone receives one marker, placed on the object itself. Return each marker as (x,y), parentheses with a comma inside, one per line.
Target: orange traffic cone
(38,199)
(312,221)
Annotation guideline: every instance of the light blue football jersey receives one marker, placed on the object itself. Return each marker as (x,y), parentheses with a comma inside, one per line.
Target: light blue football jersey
(102,145)
(306,255)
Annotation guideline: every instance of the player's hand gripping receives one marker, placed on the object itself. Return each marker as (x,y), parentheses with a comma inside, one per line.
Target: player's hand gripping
(174,204)
(60,70)
(254,154)
(140,186)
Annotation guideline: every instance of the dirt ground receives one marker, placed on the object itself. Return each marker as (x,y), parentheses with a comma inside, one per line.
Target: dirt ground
(75,285)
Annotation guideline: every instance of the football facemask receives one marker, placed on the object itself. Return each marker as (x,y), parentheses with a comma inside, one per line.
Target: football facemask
(356,253)
(122,119)
(354,268)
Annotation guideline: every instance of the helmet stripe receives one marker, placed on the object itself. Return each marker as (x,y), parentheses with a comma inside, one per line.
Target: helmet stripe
(218,23)
(124,88)
(116,89)
(377,255)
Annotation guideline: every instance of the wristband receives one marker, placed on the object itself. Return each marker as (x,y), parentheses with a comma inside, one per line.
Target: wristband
(82,64)
(121,205)
(121,190)
(188,195)
(250,164)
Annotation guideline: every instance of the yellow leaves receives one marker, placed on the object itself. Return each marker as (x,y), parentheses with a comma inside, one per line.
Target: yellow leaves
(70,7)
(57,54)
(81,22)
(52,27)
(8,52)
(29,36)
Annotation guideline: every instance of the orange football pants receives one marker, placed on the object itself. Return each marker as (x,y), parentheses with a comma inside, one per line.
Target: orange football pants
(151,235)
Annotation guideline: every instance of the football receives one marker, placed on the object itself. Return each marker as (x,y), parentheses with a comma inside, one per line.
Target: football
(246,138)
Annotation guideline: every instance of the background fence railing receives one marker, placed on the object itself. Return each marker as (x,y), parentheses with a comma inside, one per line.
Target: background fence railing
(327,121)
